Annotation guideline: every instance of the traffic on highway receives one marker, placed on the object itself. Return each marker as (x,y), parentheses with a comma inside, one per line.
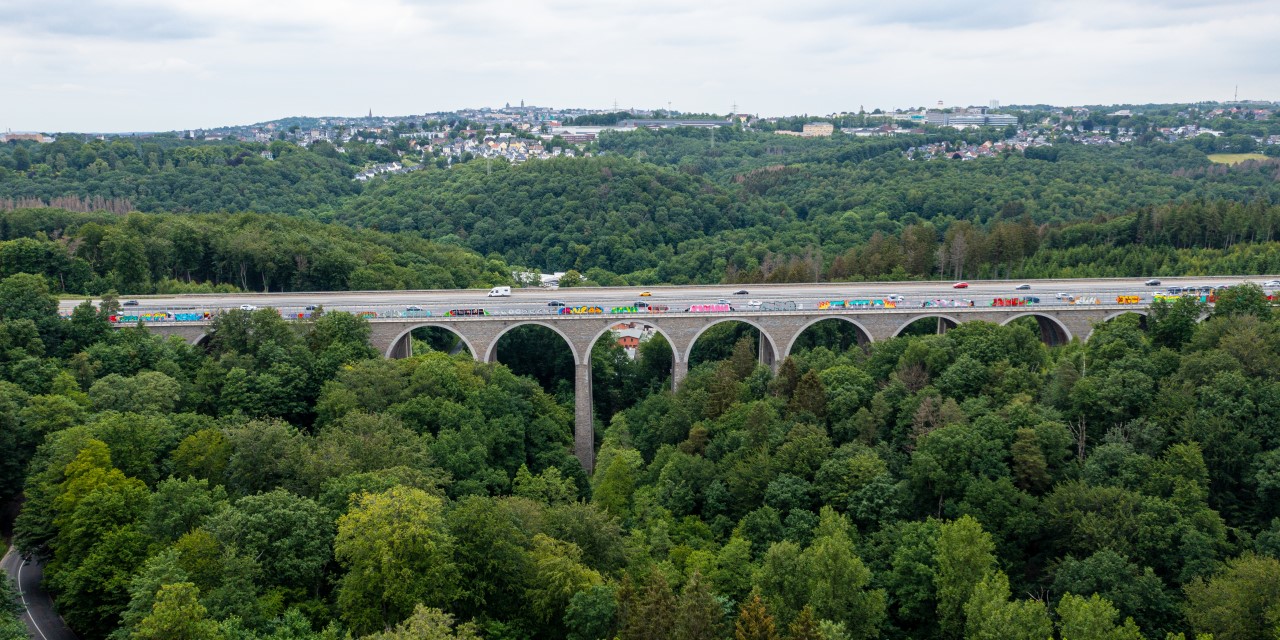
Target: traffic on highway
(760,298)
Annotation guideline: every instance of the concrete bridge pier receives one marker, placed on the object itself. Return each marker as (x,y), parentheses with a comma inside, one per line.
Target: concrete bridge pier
(767,352)
(584,430)
(679,371)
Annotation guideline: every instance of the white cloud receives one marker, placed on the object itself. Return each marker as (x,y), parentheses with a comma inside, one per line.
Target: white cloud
(176,64)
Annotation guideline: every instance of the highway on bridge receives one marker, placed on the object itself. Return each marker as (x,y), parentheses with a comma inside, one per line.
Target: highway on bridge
(915,293)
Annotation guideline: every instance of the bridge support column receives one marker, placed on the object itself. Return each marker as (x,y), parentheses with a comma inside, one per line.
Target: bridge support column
(403,348)
(584,431)
(679,371)
(767,353)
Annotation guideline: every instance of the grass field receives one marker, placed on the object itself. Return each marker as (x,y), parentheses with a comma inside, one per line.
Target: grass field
(1234,158)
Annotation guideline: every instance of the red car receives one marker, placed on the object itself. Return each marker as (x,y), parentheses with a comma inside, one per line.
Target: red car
(960,285)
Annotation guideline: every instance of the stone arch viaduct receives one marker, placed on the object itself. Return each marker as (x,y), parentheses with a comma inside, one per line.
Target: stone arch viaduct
(1059,324)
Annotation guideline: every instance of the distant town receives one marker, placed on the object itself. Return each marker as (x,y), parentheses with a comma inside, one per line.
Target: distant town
(520,133)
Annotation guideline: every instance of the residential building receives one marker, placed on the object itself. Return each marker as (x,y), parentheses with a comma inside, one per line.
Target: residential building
(946,119)
(818,129)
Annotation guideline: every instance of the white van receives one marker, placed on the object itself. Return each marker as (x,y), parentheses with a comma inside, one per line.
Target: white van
(500,292)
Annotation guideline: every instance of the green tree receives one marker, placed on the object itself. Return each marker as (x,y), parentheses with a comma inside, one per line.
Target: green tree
(1171,324)
(428,623)
(839,588)
(1136,592)
(178,506)
(592,614)
(548,487)
(159,570)
(1243,601)
(11,625)
(990,615)
(1240,300)
(1030,469)
(17,438)
(964,555)
(698,614)
(397,553)
(491,552)
(288,534)
(558,574)
(647,613)
(21,159)
(810,396)
(26,297)
(1093,617)
(744,359)
(177,615)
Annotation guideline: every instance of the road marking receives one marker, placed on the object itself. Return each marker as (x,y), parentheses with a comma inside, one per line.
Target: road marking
(22,594)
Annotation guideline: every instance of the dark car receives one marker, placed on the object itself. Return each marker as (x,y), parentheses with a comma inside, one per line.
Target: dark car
(740,292)
(555,303)
(130,303)
(1153,283)
(1022,287)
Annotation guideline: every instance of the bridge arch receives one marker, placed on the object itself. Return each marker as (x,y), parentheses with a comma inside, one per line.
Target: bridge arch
(1052,331)
(767,342)
(948,321)
(591,344)
(401,345)
(864,336)
(491,353)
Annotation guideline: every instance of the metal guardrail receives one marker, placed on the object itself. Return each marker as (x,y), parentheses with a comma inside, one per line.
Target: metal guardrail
(789,307)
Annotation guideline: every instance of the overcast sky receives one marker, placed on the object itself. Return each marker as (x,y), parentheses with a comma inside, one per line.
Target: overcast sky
(136,65)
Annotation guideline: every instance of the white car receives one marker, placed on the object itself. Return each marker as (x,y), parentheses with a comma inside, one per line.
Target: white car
(893,297)
(1272,284)
(248,307)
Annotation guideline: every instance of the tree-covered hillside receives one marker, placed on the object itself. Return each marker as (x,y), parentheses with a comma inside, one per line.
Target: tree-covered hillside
(169,253)
(691,205)
(286,483)
(167,174)
(612,213)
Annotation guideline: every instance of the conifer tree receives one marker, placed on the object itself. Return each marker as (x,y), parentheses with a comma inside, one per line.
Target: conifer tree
(754,621)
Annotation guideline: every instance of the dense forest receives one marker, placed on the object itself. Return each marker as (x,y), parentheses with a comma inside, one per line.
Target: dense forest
(171,253)
(285,483)
(281,482)
(674,206)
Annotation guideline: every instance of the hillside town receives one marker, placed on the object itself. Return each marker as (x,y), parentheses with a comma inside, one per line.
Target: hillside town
(520,133)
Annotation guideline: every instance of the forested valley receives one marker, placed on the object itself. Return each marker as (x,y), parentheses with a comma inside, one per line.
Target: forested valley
(649,207)
(286,483)
(281,481)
